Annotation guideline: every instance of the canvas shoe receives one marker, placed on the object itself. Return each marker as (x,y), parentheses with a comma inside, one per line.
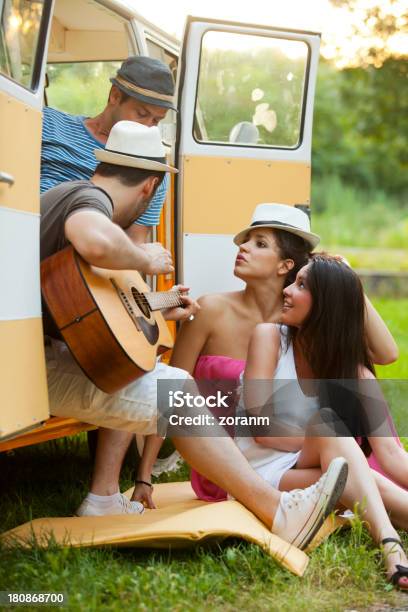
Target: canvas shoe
(301,512)
(118,504)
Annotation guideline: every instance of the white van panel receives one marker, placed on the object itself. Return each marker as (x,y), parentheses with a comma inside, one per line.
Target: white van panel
(20,272)
(16,91)
(209,263)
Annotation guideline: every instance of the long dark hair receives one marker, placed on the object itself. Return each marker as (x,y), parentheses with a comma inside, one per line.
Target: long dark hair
(334,342)
(333,337)
(293,247)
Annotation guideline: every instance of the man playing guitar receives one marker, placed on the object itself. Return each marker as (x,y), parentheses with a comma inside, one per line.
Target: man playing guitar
(92,216)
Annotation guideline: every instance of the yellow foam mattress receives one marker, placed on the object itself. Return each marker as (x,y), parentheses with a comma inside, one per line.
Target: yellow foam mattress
(180,520)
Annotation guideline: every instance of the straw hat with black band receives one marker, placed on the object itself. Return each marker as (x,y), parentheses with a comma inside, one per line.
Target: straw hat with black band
(283,217)
(135,145)
(146,79)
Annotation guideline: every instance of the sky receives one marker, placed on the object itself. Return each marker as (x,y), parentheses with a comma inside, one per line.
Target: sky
(303,14)
(316,15)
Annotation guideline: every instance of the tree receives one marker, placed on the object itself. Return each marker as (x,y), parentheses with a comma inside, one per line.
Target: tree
(378,28)
(361,119)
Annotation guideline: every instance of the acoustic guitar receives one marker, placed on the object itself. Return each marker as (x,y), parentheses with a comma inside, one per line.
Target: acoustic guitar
(109,319)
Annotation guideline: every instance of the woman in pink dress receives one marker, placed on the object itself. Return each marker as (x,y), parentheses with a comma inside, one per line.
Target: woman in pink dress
(215,344)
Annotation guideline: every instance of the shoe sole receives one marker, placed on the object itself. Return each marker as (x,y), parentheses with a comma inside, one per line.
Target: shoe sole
(336,478)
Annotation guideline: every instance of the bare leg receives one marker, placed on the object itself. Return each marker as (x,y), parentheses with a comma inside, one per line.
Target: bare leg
(360,488)
(299,478)
(110,452)
(219,460)
(395,500)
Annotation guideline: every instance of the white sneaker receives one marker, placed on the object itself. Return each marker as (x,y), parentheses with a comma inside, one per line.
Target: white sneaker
(119,504)
(301,512)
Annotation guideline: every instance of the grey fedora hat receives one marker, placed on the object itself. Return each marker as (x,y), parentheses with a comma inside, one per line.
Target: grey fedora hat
(146,79)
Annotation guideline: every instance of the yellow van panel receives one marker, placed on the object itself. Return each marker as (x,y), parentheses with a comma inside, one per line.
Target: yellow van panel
(23,383)
(20,129)
(220,193)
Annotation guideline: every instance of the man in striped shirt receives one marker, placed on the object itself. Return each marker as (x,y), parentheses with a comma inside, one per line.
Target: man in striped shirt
(142,91)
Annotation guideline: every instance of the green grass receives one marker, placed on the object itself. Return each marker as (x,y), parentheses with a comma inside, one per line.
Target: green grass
(51,479)
(395,314)
(229,577)
(362,258)
(395,375)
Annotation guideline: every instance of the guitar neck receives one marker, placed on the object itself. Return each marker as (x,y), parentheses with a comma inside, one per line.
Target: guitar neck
(159,300)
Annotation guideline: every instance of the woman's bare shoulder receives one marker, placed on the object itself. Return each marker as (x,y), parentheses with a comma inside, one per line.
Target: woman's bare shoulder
(263,351)
(267,330)
(215,302)
(266,336)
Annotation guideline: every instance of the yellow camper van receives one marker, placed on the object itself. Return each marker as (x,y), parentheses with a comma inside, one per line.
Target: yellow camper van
(242,135)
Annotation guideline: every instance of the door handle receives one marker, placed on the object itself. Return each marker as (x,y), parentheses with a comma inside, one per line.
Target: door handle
(6,178)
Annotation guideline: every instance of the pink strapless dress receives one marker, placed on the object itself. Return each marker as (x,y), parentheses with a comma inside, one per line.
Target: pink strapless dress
(213,367)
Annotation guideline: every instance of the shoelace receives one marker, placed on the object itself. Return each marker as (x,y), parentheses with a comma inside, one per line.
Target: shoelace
(298,495)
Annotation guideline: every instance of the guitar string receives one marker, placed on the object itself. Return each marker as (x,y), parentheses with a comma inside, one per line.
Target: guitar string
(158,295)
(168,300)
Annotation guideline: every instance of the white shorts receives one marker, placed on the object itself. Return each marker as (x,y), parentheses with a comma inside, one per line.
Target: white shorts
(72,394)
(273,472)
(271,464)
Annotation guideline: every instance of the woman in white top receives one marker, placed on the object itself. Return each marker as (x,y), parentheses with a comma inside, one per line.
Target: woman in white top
(327,297)
(287,407)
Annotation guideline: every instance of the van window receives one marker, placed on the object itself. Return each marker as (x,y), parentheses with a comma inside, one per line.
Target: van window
(80,88)
(19,38)
(158,52)
(250,90)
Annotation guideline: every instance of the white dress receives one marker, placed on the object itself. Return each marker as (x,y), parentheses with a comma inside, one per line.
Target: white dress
(291,406)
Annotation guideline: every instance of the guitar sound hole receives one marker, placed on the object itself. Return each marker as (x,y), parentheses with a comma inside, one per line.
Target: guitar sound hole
(141,302)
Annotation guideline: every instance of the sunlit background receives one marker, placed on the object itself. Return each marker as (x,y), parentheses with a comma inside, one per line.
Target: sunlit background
(337,24)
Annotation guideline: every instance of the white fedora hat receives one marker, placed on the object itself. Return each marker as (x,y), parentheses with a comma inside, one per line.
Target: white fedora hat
(136,146)
(283,217)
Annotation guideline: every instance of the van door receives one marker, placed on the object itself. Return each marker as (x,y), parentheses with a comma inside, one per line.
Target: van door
(244,137)
(23,38)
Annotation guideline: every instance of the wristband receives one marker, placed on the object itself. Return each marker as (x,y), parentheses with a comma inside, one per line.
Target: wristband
(149,484)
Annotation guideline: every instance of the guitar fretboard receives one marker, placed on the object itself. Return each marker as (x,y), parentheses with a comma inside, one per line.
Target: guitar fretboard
(159,300)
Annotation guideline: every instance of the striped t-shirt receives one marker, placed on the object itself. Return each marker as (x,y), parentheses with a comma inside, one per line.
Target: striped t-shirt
(67,154)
